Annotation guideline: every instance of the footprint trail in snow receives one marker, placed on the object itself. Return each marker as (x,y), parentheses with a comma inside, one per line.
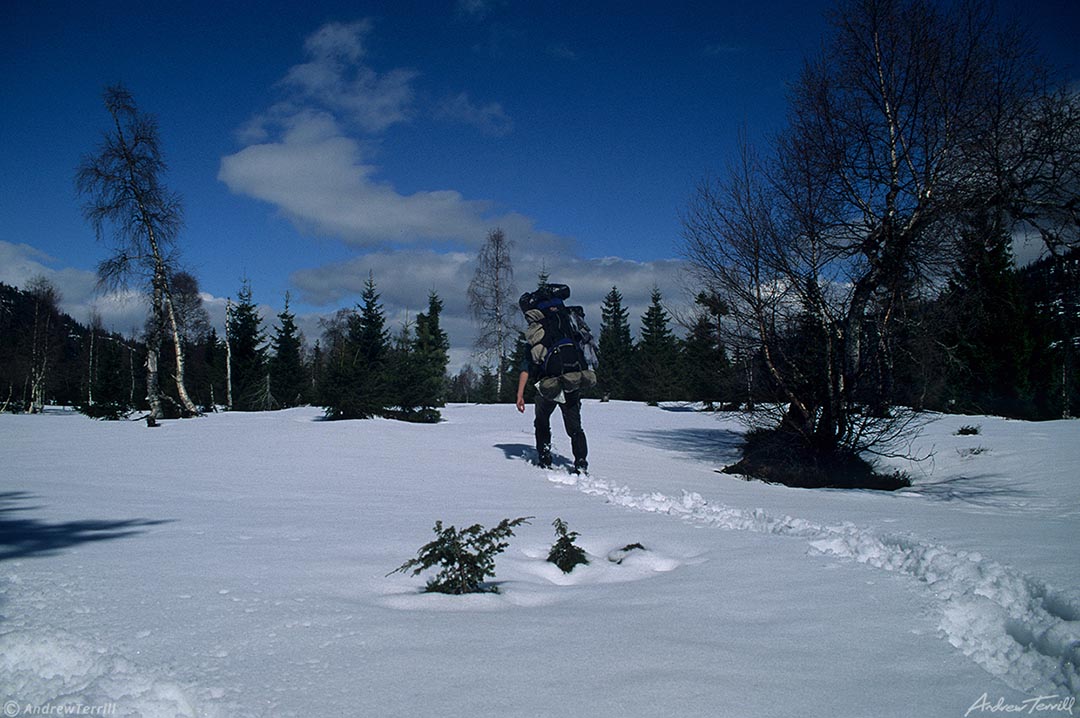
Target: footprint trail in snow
(1013,625)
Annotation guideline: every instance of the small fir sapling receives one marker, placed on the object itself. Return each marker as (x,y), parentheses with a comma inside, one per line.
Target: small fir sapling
(564,553)
(466,557)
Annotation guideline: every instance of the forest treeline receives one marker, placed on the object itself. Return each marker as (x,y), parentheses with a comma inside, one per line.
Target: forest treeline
(995,339)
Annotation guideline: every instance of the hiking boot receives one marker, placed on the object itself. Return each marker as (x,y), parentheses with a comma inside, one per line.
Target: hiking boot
(543,457)
(581,466)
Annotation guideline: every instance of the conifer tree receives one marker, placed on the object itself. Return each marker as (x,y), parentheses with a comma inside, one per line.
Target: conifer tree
(336,363)
(209,366)
(247,342)
(616,348)
(657,355)
(356,386)
(487,390)
(405,390)
(432,349)
(288,378)
(463,385)
(985,332)
(704,358)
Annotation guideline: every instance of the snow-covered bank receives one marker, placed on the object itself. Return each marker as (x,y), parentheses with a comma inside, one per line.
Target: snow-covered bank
(235,565)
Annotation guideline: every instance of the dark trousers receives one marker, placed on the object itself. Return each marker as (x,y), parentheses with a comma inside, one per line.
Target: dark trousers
(571,415)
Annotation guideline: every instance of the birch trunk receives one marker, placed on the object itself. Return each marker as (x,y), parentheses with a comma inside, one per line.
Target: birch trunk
(90,372)
(153,349)
(181,387)
(228,356)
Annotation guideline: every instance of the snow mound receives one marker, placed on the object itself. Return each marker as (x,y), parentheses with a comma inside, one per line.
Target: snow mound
(1013,625)
(536,582)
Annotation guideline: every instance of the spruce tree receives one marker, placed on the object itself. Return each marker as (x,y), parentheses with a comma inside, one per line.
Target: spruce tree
(213,360)
(432,349)
(463,386)
(247,342)
(707,369)
(288,378)
(616,348)
(565,553)
(335,375)
(657,355)
(989,340)
(356,386)
(404,385)
(487,389)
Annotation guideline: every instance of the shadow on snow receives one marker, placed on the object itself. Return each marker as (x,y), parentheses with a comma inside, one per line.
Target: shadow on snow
(528,453)
(986,490)
(22,537)
(715,446)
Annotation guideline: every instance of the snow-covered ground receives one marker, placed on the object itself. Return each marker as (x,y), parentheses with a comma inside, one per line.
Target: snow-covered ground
(235,565)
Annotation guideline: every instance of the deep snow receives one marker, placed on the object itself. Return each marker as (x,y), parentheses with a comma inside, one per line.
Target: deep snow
(235,565)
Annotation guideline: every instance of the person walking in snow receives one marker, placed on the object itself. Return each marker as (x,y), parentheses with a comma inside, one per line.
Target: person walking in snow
(560,363)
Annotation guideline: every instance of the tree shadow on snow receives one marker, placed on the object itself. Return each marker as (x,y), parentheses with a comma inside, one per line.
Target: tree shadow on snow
(679,408)
(22,537)
(715,446)
(987,490)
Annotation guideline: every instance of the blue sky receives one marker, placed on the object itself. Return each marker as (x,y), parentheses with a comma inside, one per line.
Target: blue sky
(315,142)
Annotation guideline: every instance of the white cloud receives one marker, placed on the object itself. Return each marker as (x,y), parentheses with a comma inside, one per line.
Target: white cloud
(336,82)
(404,279)
(320,180)
(302,158)
(336,78)
(122,311)
(490,118)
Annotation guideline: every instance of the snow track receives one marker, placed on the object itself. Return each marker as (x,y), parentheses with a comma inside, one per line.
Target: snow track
(1013,625)
(53,670)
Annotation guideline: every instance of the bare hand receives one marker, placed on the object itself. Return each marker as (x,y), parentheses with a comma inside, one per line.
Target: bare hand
(521,404)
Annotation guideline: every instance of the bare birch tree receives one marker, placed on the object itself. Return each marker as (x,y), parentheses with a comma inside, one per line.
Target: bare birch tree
(492,301)
(125,193)
(46,303)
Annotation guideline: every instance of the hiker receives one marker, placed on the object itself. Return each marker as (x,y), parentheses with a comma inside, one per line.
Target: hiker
(560,363)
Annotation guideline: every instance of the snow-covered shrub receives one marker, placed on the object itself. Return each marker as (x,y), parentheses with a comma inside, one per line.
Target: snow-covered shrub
(968,430)
(565,554)
(619,555)
(466,557)
(778,456)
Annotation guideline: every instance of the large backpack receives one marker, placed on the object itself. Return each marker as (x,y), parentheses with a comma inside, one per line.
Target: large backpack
(560,341)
